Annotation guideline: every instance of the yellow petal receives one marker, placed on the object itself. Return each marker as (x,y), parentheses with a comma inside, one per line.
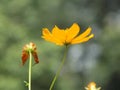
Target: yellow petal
(59,34)
(45,31)
(83,35)
(49,37)
(72,32)
(82,40)
(46,34)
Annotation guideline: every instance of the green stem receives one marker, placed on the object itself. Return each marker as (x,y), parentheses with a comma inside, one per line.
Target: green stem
(30,71)
(59,69)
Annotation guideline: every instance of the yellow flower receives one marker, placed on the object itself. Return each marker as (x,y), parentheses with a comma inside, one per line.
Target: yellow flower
(67,36)
(92,86)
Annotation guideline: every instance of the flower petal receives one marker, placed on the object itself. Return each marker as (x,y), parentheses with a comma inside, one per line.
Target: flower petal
(49,37)
(72,32)
(59,34)
(46,34)
(25,56)
(83,35)
(82,40)
(35,56)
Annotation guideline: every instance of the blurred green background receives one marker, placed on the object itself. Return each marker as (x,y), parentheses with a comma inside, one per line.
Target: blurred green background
(21,21)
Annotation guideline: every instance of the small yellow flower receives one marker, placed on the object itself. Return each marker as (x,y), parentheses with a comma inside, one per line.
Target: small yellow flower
(67,36)
(92,86)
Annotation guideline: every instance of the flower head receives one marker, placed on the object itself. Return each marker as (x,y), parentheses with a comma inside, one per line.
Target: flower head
(67,36)
(29,48)
(92,86)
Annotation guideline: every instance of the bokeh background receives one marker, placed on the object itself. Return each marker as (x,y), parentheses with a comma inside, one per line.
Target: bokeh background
(21,22)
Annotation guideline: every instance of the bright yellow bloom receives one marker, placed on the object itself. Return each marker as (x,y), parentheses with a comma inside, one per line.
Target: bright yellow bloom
(67,36)
(92,86)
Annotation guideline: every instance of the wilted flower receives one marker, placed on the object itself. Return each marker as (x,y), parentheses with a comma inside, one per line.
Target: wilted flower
(67,36)
(92,86)
(29,48)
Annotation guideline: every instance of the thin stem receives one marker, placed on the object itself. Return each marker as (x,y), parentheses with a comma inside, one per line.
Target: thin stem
(59,69)
(30,71)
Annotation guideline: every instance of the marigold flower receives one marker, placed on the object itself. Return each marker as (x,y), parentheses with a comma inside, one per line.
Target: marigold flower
(31,47)
(92,86)
(67,36)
